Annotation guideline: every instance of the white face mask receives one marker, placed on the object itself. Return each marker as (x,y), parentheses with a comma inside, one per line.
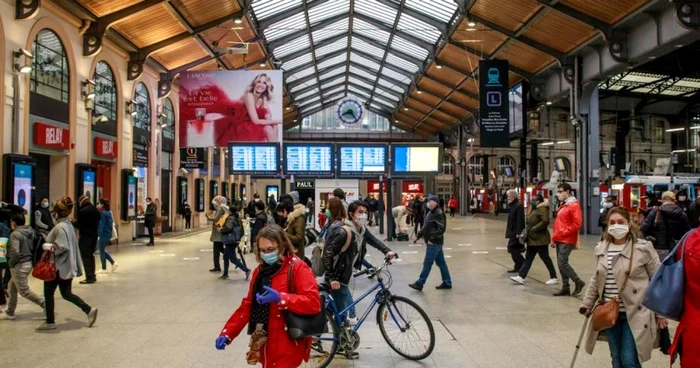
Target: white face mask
(607,204)
(432,205)
(618,231)
(361,219)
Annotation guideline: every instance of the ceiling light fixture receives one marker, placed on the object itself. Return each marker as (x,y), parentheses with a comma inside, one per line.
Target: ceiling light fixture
(238,20)
(547,144)
(405,109)
(439,66)
(471,24)
(696,127)
(131,107)
(549,103)
(563,142)
(652,57)
(288,108)
(263,64)
(98,118)
(419,91)
(88,92)
(675,130)
(25,67)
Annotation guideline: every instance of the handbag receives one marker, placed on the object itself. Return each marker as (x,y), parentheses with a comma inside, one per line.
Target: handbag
(523,236)
(301,326)
(605,314)
(45,269)
(664,295)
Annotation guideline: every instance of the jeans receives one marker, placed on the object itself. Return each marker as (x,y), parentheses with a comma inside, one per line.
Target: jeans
(104,256)
(543,252)
(218,251)
(343,298)
(434,254)
(623,349)
(567,272)
(20,283)
(516,253)
(230,255)
(367,264)
(87,245)
(65,286)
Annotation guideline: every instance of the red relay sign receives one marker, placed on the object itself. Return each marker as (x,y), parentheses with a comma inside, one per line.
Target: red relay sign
(50,136)
(105,147)
(412,187)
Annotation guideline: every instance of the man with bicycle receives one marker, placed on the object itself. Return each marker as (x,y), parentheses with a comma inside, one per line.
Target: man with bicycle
(345,249)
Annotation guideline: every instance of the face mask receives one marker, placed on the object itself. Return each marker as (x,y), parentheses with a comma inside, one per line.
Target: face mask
(618,231)
(45,205)
(269,258)
(608,204)
(681,199)
(533,204)
(361,219)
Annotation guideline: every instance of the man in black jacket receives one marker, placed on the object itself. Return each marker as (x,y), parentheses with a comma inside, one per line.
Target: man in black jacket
(149,220)
(665,225)
(515,226)
(433,232)
(373,209)
(337,271)
(88,222)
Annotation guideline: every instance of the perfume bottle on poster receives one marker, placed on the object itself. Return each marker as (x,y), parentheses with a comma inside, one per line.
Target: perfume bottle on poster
(200,131)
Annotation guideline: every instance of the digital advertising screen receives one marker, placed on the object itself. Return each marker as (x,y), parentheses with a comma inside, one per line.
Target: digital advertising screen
(272,190)
(361,160)
(89,185)
(199,189)
(308,159)
(23,187)
(258,159)
(416,159)
(131,189)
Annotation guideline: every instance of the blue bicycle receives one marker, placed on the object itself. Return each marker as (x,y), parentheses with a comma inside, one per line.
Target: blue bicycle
(403,324)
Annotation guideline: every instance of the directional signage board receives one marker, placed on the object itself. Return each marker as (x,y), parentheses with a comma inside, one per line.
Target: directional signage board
(258,159)
(308,159)
(493,103)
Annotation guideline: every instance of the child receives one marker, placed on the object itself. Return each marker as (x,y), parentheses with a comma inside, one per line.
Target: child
(322,218)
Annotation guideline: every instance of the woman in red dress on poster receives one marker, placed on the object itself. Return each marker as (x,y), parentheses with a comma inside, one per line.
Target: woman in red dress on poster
(249,119)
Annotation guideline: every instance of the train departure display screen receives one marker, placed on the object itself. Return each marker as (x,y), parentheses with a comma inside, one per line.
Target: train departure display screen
(416,159)
(362,160)
(308,159)
(259,159)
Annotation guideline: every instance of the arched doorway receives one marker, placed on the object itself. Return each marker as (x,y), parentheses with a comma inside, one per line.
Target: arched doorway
(140,110)
(103,122)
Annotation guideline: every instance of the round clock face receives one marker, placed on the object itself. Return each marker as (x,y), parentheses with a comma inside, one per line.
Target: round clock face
(349,111)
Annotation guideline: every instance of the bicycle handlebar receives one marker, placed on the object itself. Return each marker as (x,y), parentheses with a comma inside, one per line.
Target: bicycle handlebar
(374,271)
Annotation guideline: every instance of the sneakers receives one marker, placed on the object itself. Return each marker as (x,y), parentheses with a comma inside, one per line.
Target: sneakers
(45,327)
(552,281)
(353,321)
(444,286)
(416,286)
(7,317)
(578,288)
(562,292)
(115,265)
(518,279)
(101,272)
(92,317)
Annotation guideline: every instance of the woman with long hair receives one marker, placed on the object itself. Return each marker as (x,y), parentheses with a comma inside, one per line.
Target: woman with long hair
(625,263)
(230,249)
(104,232)
(64,242)
(268,296)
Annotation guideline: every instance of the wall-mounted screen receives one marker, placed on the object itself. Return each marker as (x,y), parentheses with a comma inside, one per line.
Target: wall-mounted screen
(259,159)
(515,105)
(308,159)
(416,158)
(356,160)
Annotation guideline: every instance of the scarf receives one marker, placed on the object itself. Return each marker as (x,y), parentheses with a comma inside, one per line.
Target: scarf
(359,238)
(260,313)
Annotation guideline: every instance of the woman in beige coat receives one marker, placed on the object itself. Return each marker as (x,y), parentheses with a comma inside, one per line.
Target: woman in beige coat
(634,335)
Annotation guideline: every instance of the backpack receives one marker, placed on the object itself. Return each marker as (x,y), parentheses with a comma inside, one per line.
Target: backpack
(270,220)
(317,254)
(310,236)
(37,247)
(231,231)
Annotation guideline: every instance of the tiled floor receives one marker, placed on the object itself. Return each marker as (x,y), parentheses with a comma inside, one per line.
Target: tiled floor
(162,308)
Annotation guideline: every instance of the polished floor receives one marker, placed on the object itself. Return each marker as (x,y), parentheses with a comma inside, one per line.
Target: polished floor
(162,308)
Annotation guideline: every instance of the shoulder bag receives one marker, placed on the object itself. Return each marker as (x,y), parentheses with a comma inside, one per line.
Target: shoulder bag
(301,326)
(45,269)
(664,295)
(605,314)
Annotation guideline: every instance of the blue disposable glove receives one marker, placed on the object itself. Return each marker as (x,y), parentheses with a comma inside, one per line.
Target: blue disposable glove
(221,342)
(270,296)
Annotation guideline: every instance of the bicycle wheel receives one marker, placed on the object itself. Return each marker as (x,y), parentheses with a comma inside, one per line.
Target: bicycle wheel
(406,328)
(323,347)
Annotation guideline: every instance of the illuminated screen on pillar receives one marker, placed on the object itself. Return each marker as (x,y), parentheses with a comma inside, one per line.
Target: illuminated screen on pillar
(132,196)
(23,187)
(494,104)
(362,160)
(308,159)
(218,107)
(260,159)
(416,159)
(89,185)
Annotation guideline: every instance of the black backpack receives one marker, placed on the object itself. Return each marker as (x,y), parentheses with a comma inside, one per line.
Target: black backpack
(38,241)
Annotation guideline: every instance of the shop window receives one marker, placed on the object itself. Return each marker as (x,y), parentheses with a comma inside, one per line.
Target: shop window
(660,132)
(506,165)
(640,166)
(540,166)
(50,76)
(476,165)
(105,92)
(167,122)
(448,165)
(166,161)
(142,119)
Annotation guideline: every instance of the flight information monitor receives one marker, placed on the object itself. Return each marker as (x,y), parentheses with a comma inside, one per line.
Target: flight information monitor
(259,159)
(361,160)
(412,159)
(308,159)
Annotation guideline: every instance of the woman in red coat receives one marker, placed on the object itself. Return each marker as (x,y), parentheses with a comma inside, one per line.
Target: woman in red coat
(452,205)
(687,338)
(261,310)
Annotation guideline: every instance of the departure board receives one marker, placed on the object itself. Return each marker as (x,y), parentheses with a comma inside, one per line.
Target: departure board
(361,160)
(259,159)
(308,159)
(416,159)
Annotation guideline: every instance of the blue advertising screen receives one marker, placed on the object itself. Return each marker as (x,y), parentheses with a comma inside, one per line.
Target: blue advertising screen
(23,187)
(89,185)
(362,160)
(254,158)
(308,159)
(416,159)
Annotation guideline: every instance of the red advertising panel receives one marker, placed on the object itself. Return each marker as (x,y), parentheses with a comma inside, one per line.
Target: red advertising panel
(372,186)
(412,187)
(218,107)
(105,147)
(49,136)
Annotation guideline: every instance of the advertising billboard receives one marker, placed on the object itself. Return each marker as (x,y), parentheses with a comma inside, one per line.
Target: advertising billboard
(218,107)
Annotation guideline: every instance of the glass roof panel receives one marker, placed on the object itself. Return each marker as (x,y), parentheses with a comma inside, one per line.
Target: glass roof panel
(642,77)
(383,102)
(390,85)
(386,94)
(358,92)
(366,47)
(331,30)
(306,94)
(439,10)
(299,87)
(327,10)
(335,46)
(369,30)
(418,28)
(293,46)
(264,9)
(336,71)
(359,82)
(402,44)
(363,61)
(376,10)
(672,92)
(401,63)
(295,23)
(287,65)
(332,61)
(392,74)
(333,91)
(310,100)
(688,82)
(376,106)
(361,72)
(304,72)
(333,82)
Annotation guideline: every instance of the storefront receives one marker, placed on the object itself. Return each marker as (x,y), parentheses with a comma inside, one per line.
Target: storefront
(411,189)
(324,191)
(103,118)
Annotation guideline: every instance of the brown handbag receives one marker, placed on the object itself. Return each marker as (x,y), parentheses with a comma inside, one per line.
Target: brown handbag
(605,314)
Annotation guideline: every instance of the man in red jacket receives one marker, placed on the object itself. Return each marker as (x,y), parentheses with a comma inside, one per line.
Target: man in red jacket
(565,237)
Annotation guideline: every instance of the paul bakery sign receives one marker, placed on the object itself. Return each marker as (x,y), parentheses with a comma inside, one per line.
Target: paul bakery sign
(105,148)
(49,136)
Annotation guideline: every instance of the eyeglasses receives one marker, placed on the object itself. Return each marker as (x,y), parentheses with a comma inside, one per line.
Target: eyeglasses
(269,250)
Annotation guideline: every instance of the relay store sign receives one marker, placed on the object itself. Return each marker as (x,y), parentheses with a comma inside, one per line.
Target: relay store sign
(372,186)
(412,187)
(105,147)
(493,103)
(49,136)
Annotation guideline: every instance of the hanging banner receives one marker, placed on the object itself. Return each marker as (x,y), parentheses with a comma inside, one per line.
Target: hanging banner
(192,158)
(493,103)
(218,107)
